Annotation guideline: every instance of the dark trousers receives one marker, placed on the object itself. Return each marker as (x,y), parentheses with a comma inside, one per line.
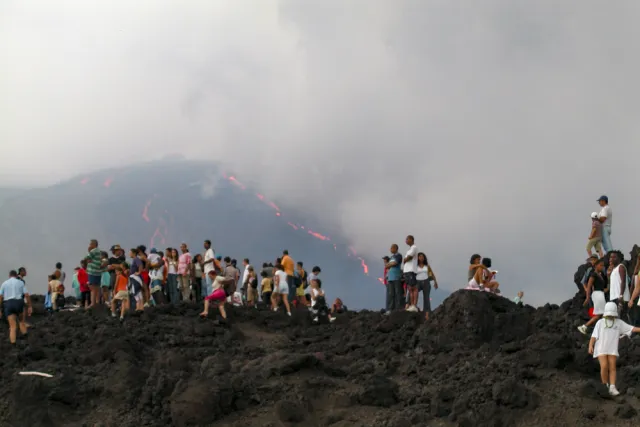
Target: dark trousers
(292,288)
(395,295)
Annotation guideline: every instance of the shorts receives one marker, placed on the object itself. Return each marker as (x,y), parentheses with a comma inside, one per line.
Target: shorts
(282,289)
(410,279)
(13,307)
(121,296)
(252,294)
(598,302)
(217,295)
(138,297)
(156,285)
(596,243)
(95,280)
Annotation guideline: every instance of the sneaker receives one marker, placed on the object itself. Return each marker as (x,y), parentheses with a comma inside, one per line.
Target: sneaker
(315,319)
(413,309)
(275,309)
(113,314)
(332,319)
(387,313)
(289,313)
(583,329)
(613,391)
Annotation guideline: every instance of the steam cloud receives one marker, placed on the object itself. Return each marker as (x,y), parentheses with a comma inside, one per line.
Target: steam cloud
(487,127)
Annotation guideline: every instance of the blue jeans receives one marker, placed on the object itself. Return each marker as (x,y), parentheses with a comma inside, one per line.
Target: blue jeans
(292,287)
(606,239)
(172,288)
(206,286)
(395,295)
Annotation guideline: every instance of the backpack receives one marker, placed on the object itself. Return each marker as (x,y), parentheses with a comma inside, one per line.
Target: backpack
(579,274)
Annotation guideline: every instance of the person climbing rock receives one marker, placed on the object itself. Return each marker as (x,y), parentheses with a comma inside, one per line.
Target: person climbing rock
(13,294)
(220,292)
(604,341)
(595,291)
(595,236)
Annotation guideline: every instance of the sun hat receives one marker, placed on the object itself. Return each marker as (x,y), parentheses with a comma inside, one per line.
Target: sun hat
(611,309)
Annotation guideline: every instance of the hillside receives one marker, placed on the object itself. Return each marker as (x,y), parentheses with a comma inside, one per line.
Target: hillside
(481,361)
(164,203)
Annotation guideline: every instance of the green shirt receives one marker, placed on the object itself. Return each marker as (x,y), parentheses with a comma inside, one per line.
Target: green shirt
(94,267)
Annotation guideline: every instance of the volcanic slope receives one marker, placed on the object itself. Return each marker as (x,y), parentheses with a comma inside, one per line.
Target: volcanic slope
(481,361)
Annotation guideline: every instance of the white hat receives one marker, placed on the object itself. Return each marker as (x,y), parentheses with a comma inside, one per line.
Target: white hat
(610,309)
(594,215)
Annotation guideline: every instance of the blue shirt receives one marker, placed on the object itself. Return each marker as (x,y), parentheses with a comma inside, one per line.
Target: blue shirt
(395,273)
(136,265)
(13,289)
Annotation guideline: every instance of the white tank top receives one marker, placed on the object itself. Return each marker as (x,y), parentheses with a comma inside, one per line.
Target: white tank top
(615,285)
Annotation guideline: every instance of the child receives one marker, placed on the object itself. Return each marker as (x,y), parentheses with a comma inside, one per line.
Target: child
(221,288)
(604,344)
(120,293)
(54,284)
(595,236)
(518,299)
(105,280)
(83,281)
(266,287)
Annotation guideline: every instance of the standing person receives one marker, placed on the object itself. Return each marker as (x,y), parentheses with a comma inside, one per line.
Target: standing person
(172,275)
(95,267)
(604,344)
(266,287)
(301,284)
(117,258)
(395,293)
(184,272)
(424,276)
(617,278)
(13,294)
(595,289)
(60,275)
(288,265)
(409,270)
(605,216)
(105,280)
(252,287)
(595,236)
(245,278)
(280,290)
(75,284)
(54,288)
(208,265)
(83,281)
(231,272)
(136,280)
(158,277)
(120,292)
(196,278)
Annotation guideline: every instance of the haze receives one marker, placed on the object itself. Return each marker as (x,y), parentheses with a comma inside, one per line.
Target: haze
(487,127)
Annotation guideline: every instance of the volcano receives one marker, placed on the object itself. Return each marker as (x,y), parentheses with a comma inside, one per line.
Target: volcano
(164,203)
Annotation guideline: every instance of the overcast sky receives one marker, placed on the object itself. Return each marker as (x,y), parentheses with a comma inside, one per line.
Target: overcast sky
(478,126)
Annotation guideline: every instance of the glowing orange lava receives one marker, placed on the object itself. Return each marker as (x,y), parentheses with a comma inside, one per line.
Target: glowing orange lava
(145,211)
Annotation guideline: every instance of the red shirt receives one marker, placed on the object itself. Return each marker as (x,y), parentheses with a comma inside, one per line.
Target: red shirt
(83,280)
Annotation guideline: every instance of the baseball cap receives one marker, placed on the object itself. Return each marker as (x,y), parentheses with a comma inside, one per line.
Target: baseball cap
(592,257)
(115,248)
(594,215)
(154,251)
(603,198)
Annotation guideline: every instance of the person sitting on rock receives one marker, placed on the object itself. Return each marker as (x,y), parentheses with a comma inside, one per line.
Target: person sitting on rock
(338,307)
(603,344)
(318,302)
(483,277)
(221,288)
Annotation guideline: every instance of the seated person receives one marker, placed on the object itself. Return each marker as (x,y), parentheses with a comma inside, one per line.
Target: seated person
(338,307)
(483,278)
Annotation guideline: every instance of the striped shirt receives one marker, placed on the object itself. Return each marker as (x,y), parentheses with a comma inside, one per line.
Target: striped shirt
(94,267)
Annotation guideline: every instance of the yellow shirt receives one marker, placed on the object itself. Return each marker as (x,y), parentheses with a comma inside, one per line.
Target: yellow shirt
(266,285)
(53,286)
(287,265)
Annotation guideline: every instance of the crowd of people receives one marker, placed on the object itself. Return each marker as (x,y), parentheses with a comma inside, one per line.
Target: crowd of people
(148,278)
(611,291)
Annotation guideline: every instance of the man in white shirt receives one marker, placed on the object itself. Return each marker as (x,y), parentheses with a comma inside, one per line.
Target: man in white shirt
(209,265)
(409,270)
(605,217)
(245,276)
